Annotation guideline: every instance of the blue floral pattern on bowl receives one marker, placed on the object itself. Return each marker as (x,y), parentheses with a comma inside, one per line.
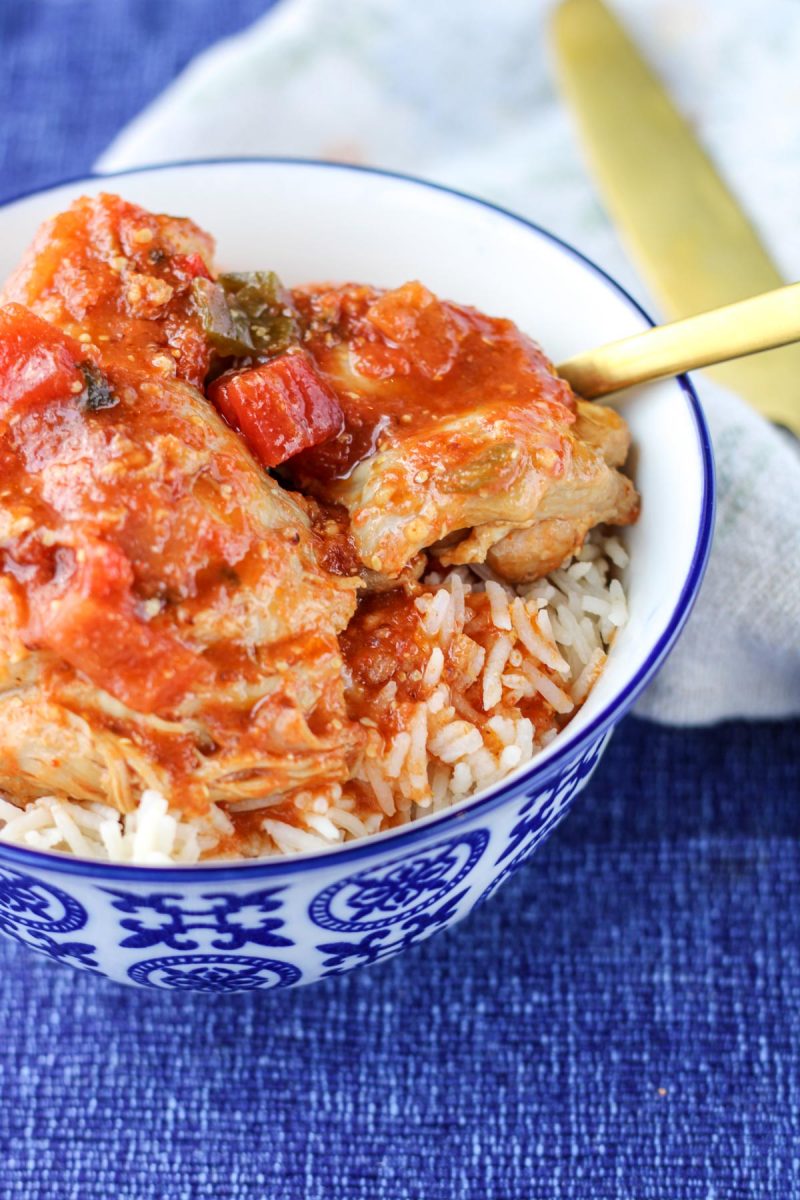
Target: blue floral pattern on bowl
(213,973)
(385,895)
(31,912)
(392,905)
(167,918)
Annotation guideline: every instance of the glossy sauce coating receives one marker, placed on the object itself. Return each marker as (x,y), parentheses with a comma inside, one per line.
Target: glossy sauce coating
(140,542)
(120,278)
(403,360)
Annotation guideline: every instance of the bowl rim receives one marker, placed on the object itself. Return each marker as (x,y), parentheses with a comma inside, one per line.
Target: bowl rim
(448,820)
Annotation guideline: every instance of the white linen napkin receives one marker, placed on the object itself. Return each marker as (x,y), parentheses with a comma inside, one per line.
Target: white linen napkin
(463,94)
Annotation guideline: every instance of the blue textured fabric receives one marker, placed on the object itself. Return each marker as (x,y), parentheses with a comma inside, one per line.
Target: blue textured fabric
(621,1020)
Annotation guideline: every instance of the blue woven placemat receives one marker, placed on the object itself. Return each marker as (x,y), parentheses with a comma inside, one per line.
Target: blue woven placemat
(622,1020)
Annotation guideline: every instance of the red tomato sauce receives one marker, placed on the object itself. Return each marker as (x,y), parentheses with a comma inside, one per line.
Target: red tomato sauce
(402,360)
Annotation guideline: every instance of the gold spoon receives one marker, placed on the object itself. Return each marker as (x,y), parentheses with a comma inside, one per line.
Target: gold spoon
(760,323)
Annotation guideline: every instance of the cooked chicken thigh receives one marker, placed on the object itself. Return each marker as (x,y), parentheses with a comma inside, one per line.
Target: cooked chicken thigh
(592,493)
(165,617)
(458,435)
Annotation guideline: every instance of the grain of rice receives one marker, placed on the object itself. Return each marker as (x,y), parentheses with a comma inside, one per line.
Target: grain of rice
(498,605)
(452,733)
(463,706)
(613,549)
(348,821)
(475,665)
(220,820)
(579,570)
(434,610)
(532,639)
(417,761)
(583,684)
(467,743)
(397,755)
(325,826)
(492,672)
(380,786)
(592,604)
(448,625)
(111,835)
(545,625)
(549,689)
(440,784)
(462,779)
(524,737)
(46,839)
(502,728)
(8,811)
(455,585)
(434,668)
(618,613)
(290,839)
(510,757)
(34,817)
(560,635)
(69,830)
(515,687)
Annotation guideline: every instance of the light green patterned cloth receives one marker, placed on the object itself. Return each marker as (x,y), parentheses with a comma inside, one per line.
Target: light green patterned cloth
(463,94)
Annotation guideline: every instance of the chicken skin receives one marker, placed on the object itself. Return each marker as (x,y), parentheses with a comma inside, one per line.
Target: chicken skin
(592,494)
(458,436)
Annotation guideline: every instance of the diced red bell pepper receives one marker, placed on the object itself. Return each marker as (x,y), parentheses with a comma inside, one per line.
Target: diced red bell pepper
(92,624)
(38,363)
(281,407)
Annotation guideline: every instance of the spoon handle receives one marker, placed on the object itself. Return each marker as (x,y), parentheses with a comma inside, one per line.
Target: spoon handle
(760,323)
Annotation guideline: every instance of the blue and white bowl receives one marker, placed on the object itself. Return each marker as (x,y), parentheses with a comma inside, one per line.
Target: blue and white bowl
(283,921)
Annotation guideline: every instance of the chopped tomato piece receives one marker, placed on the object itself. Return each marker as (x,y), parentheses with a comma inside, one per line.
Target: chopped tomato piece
(429,331)
(281,407)
(91,622)
(38,363)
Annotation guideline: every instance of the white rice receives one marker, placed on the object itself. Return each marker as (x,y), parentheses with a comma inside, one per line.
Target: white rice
(548,640)
(151,835)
